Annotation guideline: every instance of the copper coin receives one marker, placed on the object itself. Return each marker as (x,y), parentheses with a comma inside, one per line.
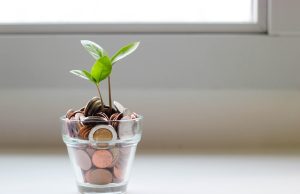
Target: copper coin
(74,113)
(119,117)
(102,158)
(82,159)
(86,134)
(77,127)
(69,113)
(115,120)
(84,131)
(79,116)
(119,171)
(102,114)
(113,116)
(116,153)
(98,176)
(90,151)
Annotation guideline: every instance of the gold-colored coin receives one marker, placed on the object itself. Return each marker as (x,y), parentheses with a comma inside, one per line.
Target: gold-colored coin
(102,134)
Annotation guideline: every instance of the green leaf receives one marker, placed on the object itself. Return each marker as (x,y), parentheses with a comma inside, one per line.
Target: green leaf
(83,74)
(96,71)
(105,60)
(124,51)
(101,69)
(88,75)
(79,73)
(94,49)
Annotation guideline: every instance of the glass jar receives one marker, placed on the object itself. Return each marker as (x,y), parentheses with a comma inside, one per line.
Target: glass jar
(102,165)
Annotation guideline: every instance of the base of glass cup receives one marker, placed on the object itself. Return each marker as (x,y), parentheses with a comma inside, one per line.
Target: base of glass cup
(104,189)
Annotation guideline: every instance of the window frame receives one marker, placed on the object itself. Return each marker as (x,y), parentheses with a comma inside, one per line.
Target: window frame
(258,27)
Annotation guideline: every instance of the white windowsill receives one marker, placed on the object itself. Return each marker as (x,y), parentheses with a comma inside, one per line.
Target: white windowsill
(94,28)
(160,173)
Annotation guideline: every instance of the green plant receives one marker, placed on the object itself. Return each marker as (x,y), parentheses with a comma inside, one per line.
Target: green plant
(103,65)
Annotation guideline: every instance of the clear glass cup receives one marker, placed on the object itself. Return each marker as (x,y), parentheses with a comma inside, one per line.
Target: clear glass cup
(102,166)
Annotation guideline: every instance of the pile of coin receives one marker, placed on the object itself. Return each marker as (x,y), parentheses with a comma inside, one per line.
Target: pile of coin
(102,166)
(95,122)
(102,160)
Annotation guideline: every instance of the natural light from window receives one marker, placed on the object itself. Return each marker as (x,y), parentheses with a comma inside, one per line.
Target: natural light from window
(129,11)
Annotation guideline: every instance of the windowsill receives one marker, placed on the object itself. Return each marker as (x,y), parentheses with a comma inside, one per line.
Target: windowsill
(160,173)
(133,28)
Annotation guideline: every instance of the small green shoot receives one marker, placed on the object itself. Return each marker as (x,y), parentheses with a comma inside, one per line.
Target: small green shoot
(103,65)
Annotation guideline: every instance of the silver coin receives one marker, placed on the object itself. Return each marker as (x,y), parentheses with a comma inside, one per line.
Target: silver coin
(119,106)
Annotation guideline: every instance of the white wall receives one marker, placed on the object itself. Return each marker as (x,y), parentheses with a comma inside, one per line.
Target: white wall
(200,91)
(163,61)
(284,17)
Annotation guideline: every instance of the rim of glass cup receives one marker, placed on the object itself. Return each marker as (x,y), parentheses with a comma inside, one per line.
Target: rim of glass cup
(140,117)
(71,140)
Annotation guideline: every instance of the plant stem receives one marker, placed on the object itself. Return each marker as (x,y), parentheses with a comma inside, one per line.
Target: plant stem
(109,95)
(102,105)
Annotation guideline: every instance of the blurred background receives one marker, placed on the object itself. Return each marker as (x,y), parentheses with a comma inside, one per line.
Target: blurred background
(209,75)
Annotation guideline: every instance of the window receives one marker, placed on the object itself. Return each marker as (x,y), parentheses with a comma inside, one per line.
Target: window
(133,15)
